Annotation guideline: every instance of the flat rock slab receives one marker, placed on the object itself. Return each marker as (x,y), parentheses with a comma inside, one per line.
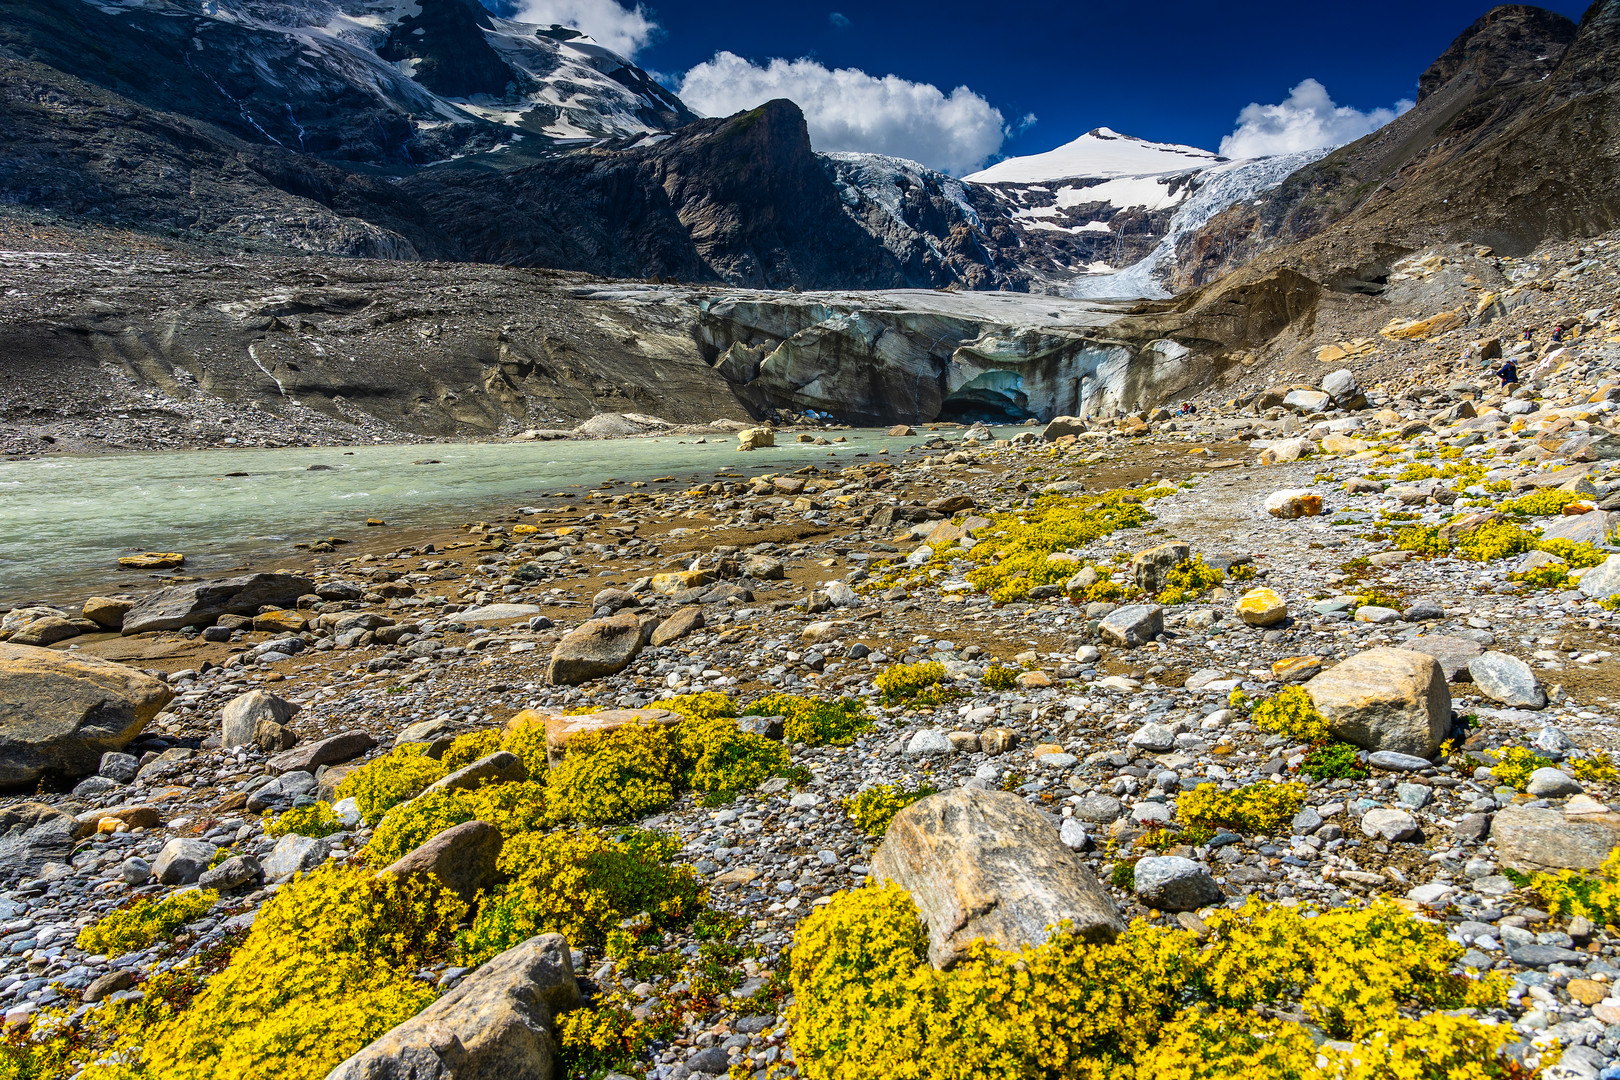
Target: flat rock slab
(60,713)
(985,864)
(498,1022)
(561,729)
(1540,838)
(595,649)
(463,857)
(497,613)
(202,603)
(328,751)
(1386,699)
(1453,653)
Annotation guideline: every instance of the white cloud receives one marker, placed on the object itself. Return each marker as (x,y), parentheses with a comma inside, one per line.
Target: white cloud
(847,109)
(624,30)
(1307,120)
(839,20)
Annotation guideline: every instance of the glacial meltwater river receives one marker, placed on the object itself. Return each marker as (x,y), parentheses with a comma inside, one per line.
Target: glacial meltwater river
(64,521)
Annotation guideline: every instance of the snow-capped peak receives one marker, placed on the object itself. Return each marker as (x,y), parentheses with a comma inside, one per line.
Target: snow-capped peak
(1102,153)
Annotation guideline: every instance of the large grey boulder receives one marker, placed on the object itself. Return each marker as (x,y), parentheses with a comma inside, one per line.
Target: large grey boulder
(241,716)
(1508,680)
(497,1024)
(280,793)
(1172,883)
(986,864)
(332,750)
(1540,838)
(294,854)
(1452,653)
(1152,567)
(59,712)
(1385,823)
(501,767)
(183,860)
(463,857)
(595,649)
(1386,699)
(1132,625)
(1592,528)
(31,835)
(201,603)
(1603,580)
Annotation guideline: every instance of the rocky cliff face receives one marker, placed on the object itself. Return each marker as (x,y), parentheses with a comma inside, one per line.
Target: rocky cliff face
(1476,102)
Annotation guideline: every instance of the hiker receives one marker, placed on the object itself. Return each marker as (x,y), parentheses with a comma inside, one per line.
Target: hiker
(1508,372)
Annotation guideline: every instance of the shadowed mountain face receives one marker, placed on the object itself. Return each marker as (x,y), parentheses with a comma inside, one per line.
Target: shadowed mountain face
(1511,142)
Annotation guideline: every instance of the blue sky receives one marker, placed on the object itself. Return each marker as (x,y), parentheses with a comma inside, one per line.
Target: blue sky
(1171,71)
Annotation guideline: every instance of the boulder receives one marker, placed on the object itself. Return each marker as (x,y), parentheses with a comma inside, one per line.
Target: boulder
(755,437)
(678,625)
(60,713)
(1552,784)
(201,603)
(1152,567)
(462,857)
(762,568)
(596,649)
(1293,503)
(234,873)
(1453,653)
(1261,607)
(501,767)
(562,730)
(1508,680)
(1386,699)
(31,835)
(47,630)
(1171,883)
(986,864)
(1389,824)
(280,793)
(1341,386)
(1531,838)
(1602,581)
(183,860)
(1132,625)
(332,750)
(497,1023)
(295,854)
(901,431)
(107,612)
(1306,401)
(1589,528)
(239,720)
(1064,425)
(929,742)
(1338,443)
(498,613)
(1286,450)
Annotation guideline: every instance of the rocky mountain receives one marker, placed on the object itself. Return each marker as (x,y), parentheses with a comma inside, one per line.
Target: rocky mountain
(378,82)
(1488,109)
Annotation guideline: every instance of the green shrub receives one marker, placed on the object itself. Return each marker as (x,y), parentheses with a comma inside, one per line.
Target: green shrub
(1257,808)
(1000,677)
(1497,540)
(582,884)
(1022,541)
(403,773)
(1289,712)
(722,761)
(1156,1002)
(1189,581)
(1332,761)
(1550,576)
(317,820)
(1515,764)
(513,808)
(466,749)
(1571,894)
(919,682)
(144,922)
(613,776)
(874,808)
(525,736)
(329,965)
(812,721)
(1547,501)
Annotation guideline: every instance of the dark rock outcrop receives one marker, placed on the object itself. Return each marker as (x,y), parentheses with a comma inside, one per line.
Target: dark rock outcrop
(201,603)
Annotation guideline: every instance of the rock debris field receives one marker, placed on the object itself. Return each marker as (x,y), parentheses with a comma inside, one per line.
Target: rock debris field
(1322,649)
